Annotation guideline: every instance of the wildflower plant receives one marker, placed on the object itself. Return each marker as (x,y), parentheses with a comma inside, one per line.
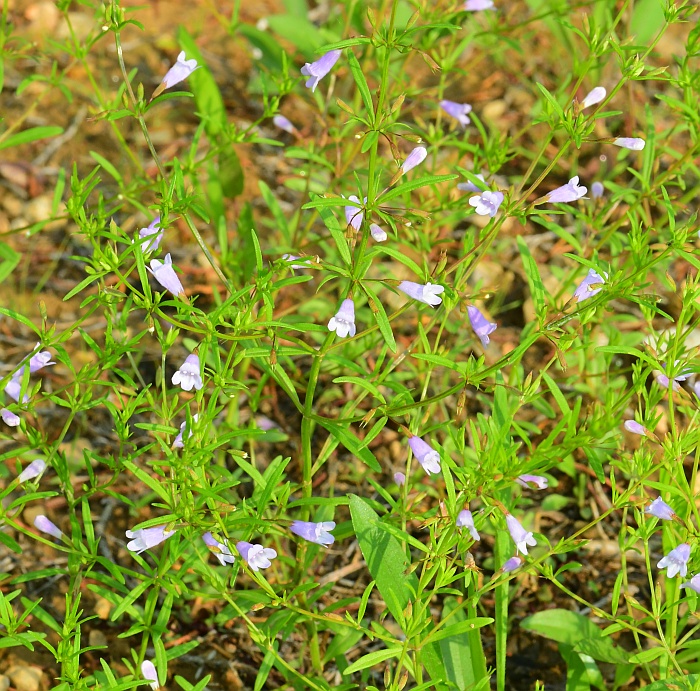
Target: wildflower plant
(248,324)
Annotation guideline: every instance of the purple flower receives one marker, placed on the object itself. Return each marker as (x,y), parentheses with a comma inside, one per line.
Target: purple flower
(520,536)
(182,69)
(663,381)
(633,143)
(164,273)
(145,538)
(426,455)
(314,532)
(148,671)
(416,157)
(179,442)
(151,236)
(295,258)
(9,418)
(400,479)
(46,526)
(470,186)
(590,286)
(343,323)
(378,233)
(676,560)
(219,549)
(594,96)
(353,214)
(39,361)
(512,564)
(34,469)
(567,193)
(634,427)
(487,203)
(693,583)
(458,111)
(188,375)
(597,190)
(660,509)
(319,69)
(256,556)
(478,5)
(482,327)
(428,293)
(537,480)
(466,520)
(284,124)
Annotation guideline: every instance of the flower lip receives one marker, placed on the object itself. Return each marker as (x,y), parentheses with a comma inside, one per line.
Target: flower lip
(513,563)
(148,670)
(182,69)
(145,538)
(466,520)
(428,293)
(567,193)
(594,96)
(343,322)
(591,285)
(660,509)
(632,143)
(426,455)
(521,537)
(318,533)
(220,550)
(188,376)
(676,561)
(151,236)
(487,203)
(693,583)
(481,326)
(415,158)
(256,556)
(538,481)
(458,111)
(164,273)
(9,418)
(319,69)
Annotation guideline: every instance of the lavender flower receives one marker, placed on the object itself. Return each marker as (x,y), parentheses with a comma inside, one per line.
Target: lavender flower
(415,158)
(343,323)
(256,556)
(182,69)
(9,418)
(466,520)
(590,286)
(426,455)
(633,143)
(470,186)
(520,536)
(676,560)
(39,361)
(594,96)
(478,5)
(145,538)
(220,550)
(353,214)
(400,479)
(458,111)
(634,427)
(188,375)
(151,236)
(487,203)
(13,388)
(164,273)
(34,469)
(597,190)
(314,532)
(148,671)
(378,233)
(693,583)
(567,193)
(537,480)
(481,326)
(46,526)
(179,442)
(284,124)
(660,509)
(663,381)
(319,69)
(428,293)
(512,564)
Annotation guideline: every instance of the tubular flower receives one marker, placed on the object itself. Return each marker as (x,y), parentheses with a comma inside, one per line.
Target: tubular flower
(481,326)
(39,361)
(470,186)
(9,418)
(314,532)
(148,670)
(458,111)
(663,380)
(512,564)
(151,236)
(520,536)
(256,556)
(597,190)
(319,69)
(634,427)
(353,214)
(13,388)
(594,96)
(428,293)
(633,143)
(415,158)
(164,273)
(567,193)
(179,442)
(537,480)
(487,203)
(693,583)
(188,375)
(343,323)
(426,455)
(145,538)
(466,520)
(378,233)
(46,526)
(219,549)
(478,5)
(399,479)
(284,124)
(590,286)
(660,509)
(676,561)
(34,469)
(182,69)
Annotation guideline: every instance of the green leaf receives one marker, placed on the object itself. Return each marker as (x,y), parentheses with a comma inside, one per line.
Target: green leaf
(386,559)
(31,135)
(104,163)
(9,258)
(337,233)
(533,278)
(414,185)
(359,77)
(351,443)
(372,659)
(380,315)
